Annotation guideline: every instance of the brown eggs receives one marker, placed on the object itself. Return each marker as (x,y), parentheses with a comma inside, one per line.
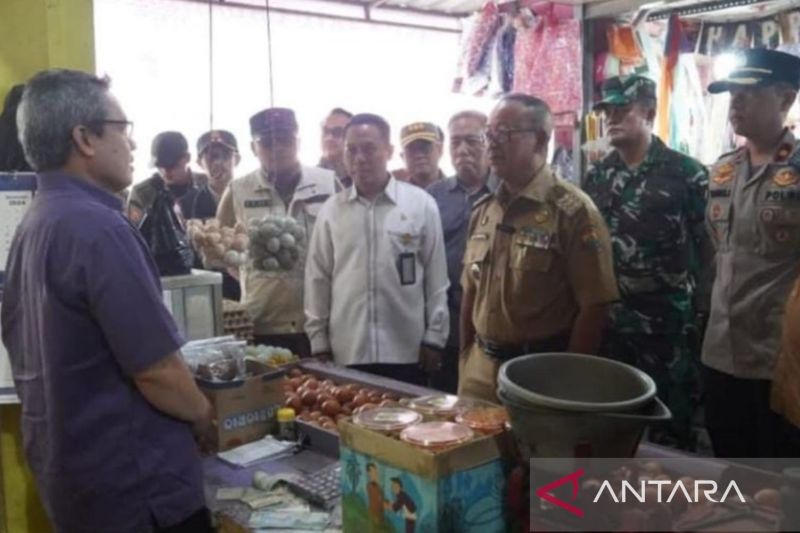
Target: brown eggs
(295,402)
(331,408)
(344,395)
(309,397)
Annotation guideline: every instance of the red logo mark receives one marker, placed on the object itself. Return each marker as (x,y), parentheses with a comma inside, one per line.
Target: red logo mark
(544,492)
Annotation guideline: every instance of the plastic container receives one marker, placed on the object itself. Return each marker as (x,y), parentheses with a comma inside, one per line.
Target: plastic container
(484,419)
(443,407)
(286,426)
(575,382)
(436,435)
(387,420)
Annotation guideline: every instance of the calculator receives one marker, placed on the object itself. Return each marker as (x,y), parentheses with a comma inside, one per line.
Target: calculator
(321,487)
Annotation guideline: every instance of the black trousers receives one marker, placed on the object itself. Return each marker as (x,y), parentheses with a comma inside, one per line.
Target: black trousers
(740,421)
(411,373)
(199,522)
(446,378)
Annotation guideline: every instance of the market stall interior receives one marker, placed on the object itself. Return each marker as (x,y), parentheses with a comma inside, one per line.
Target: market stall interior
(315,444)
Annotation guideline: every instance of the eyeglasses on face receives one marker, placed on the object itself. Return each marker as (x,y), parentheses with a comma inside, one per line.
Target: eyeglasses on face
(126,124)
(502,136)
(336,133)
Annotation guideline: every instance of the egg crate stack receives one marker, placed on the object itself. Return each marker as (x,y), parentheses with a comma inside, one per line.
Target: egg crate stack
(236,321)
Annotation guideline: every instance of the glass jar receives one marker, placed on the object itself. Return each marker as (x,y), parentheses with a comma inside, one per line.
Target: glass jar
(436,436)
(387,420)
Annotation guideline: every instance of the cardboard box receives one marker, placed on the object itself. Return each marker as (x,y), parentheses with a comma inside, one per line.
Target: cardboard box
(391,486)
(246,408)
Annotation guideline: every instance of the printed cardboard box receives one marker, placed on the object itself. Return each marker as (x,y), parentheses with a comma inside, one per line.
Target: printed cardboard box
(246,408)
(389,486)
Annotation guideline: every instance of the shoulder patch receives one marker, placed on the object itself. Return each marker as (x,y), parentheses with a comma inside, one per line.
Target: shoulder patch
(482,200)
(729,157)
(566,200)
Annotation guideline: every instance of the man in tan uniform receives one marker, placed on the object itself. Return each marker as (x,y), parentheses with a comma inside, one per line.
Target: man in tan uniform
(280,187)
(754,219)
(538,272)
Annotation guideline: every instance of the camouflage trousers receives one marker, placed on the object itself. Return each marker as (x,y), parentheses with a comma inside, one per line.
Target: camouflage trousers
(672,362)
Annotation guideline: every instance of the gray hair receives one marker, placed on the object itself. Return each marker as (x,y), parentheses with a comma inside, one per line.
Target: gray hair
(538,113)
(54,102)
(477,116)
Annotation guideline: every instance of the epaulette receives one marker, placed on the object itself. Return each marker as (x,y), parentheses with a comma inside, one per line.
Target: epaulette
(727,156)
(482,200)
(566,200)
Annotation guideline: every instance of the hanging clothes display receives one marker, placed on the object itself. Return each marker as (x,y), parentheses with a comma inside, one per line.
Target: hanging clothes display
(526,49)
(552,67)
(623,44)
(476,63)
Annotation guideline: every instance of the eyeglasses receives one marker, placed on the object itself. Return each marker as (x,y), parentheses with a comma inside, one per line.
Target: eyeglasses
(126,123)
(336,133)
(504,136)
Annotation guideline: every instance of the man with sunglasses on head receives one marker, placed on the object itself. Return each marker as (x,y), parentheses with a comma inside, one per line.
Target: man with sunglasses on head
(280,187)
(333,145)
(653,200)
(538,274)
(423,145)
(108,404)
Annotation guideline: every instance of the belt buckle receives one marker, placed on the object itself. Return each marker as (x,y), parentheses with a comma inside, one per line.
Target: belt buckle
(493,349)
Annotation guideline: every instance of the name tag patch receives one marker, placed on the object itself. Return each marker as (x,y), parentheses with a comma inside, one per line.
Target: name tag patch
(251,204)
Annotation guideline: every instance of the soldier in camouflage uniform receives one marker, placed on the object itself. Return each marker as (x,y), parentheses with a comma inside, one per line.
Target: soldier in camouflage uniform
(653,200)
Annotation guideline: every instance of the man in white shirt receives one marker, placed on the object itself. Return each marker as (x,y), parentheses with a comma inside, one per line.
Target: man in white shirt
(376,273)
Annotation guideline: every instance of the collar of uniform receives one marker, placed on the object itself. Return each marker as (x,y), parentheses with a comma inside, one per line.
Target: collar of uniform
(537,189)
(390,191)
(655,151)
(59,181)
(456,184)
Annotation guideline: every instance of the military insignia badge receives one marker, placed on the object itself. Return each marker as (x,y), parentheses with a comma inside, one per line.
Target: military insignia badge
(767,215)
(590,238)
(716,211)
(406,239)
(784,178)
(783,152)
(724,174)
(542,216)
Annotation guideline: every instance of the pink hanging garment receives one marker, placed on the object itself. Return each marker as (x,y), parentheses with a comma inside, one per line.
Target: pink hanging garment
(556,76)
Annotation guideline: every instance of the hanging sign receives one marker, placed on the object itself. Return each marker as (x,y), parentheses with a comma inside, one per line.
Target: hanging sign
(767,32)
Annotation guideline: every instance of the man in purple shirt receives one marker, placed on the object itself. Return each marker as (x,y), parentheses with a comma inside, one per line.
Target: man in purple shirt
(108,405)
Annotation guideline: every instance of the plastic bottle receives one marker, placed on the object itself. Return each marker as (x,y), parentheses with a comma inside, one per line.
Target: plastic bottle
(286,426)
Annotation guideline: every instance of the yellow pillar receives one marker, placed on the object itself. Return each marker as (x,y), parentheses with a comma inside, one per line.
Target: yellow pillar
(40,34)
(36,35)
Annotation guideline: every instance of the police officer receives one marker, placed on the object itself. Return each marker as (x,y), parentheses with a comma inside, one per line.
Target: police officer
(538,273)
(653,200)
(280,187)
(754,218)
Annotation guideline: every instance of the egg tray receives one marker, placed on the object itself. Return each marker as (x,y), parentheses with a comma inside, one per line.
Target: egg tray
(325,441)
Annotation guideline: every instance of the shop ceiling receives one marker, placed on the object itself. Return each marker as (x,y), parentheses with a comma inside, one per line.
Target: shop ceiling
(445,15)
